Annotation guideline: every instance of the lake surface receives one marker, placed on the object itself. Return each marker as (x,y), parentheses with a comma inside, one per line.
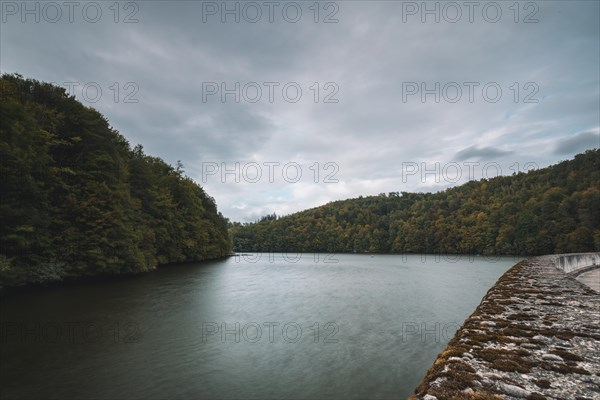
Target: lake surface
(268,326)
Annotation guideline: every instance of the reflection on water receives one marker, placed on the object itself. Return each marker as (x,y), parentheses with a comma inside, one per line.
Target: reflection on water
(258,326)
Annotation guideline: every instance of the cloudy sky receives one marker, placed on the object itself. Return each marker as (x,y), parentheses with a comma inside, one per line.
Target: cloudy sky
(278,107)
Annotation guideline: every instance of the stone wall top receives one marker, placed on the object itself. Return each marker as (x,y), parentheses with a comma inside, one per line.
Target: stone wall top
(535,335)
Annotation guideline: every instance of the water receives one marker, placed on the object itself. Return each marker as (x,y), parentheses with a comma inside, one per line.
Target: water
(361,327)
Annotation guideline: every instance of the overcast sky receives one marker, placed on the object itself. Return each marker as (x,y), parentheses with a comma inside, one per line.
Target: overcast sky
(391,99)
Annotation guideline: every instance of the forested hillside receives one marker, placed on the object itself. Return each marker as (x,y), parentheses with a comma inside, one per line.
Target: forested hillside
(550,210)
(76,200)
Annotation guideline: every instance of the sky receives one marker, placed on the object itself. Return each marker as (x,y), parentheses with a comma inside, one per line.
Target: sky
(277,106)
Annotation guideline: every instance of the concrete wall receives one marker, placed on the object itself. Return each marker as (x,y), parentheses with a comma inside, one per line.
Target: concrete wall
(576,262)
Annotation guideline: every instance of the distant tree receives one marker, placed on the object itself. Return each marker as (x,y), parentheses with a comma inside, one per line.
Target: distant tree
(554,209)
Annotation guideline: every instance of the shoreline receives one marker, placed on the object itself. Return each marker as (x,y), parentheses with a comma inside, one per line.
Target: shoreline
(535,335)
(9,291)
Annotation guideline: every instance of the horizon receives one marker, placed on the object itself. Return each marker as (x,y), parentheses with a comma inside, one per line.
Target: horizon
(413,119)
(399,194)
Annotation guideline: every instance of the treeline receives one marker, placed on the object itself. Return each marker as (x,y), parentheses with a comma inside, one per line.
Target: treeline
(76,199)
(550,210)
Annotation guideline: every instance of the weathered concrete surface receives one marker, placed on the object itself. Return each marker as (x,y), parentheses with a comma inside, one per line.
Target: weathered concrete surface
(572,263)
(591,279)
(585,267)
(535,335)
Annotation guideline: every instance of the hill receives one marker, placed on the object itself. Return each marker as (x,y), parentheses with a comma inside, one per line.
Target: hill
(76,199)
(550,210)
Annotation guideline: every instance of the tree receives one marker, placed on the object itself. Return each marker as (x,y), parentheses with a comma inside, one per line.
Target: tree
(554,209)
(75,199)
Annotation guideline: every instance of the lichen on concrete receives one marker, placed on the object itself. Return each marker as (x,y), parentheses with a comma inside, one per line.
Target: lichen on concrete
(535,335)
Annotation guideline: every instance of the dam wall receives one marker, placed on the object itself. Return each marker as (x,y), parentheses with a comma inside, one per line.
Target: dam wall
(535,335)
(577,262)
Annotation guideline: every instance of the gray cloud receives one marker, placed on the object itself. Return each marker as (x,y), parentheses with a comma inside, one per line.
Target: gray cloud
(480,153)
(578,143)
(372,132)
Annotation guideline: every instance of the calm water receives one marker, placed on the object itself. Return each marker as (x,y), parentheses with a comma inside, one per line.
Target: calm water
(361,327)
